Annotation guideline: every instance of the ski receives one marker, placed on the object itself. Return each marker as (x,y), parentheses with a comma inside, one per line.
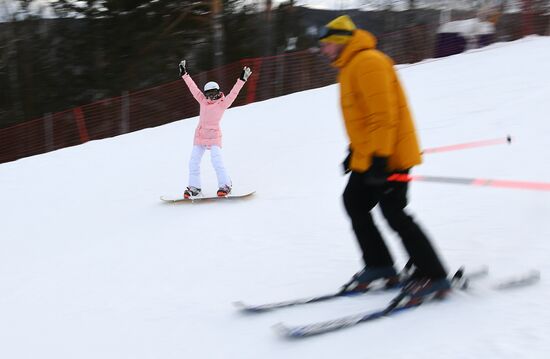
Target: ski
(343,292)
(260,308)
(458,281)
(528,278)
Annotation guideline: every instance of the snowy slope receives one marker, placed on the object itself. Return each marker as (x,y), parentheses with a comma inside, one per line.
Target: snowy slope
(92,265)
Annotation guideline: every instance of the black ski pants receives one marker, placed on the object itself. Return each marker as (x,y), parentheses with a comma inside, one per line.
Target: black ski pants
(360,199)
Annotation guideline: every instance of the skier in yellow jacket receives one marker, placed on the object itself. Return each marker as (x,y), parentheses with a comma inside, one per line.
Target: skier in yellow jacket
(382,141)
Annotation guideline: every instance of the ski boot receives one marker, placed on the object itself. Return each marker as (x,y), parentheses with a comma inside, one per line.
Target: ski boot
(224,190)
(424,289)
(369,276)
(191,192)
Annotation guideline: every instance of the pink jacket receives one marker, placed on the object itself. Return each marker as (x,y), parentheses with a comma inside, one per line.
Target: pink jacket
(208,132)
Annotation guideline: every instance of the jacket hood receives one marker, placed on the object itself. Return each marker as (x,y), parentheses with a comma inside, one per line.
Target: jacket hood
(360,41)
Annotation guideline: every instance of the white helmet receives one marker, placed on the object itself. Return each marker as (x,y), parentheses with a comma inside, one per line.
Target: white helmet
(211,86)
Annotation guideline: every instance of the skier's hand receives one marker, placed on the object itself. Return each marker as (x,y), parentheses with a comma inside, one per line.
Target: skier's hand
(377,174)
(183,70)
(245,73)
(345,163)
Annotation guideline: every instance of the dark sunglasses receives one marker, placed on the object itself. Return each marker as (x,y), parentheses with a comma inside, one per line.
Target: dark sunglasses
(325,32)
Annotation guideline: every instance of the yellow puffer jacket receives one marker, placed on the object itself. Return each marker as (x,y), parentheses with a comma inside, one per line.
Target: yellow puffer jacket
(375,110)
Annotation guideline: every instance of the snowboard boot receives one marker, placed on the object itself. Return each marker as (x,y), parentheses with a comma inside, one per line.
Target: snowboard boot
(369,276)
(191,192)
(424,289)
(224,190)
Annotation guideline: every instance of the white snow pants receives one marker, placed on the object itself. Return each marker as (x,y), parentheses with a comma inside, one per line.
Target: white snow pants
(217,163)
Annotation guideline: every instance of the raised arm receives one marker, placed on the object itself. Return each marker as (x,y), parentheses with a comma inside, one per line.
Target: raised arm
(197,94)
(230,98)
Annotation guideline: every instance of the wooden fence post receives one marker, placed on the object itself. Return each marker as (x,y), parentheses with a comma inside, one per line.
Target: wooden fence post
(251,91)
(125,113)
(81,125)
(48,132)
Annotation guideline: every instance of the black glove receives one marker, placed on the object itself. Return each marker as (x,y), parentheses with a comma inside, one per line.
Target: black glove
(245,73)
(183,70)
(345,164)
(377,174)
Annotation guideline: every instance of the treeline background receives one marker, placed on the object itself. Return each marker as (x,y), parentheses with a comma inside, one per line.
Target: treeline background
(110,47)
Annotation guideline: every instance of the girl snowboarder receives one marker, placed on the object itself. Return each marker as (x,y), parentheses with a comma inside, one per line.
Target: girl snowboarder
(208,134)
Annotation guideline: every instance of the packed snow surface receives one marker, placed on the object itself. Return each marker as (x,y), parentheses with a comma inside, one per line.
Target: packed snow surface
(93,265)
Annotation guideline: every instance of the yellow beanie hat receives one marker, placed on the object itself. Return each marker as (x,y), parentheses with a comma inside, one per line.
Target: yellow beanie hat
(338,31)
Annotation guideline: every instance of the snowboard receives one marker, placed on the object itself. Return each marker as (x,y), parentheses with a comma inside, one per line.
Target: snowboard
(231,196)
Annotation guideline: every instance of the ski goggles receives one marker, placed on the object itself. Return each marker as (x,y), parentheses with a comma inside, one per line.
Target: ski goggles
(325,32)
(213,94)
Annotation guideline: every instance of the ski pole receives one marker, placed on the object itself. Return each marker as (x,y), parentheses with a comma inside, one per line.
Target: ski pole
(483,182)
(466,145)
